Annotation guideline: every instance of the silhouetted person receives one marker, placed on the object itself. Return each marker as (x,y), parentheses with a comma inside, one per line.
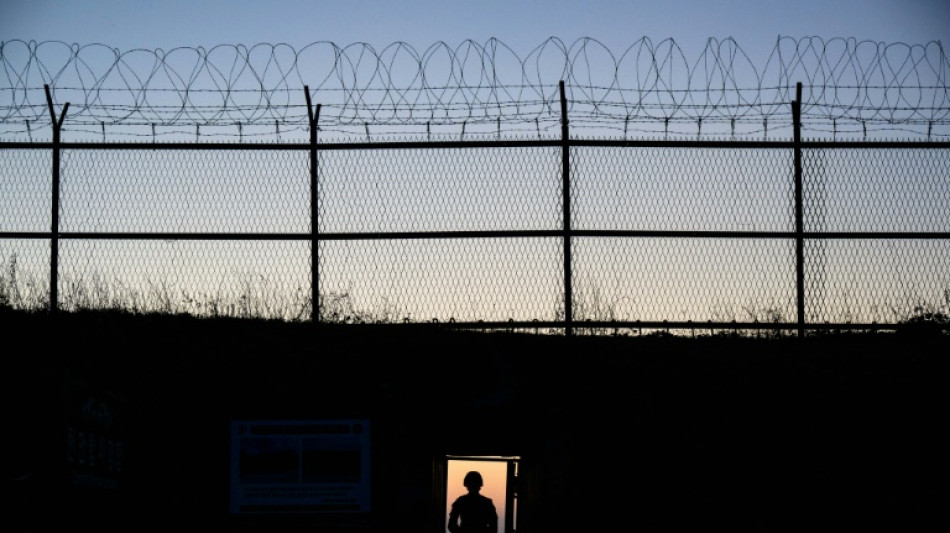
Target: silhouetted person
(473,512)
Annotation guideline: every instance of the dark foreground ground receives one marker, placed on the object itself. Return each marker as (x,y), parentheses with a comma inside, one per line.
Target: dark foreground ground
(655,433)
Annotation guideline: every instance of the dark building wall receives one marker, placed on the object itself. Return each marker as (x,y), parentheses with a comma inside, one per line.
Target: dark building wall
(611,431)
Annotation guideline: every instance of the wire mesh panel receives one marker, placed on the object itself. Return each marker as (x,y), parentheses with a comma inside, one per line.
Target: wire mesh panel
(875,220)
(25,189)
(684,279)
(886,281)
(889,192)
(185,191)
(440,189)
(876,189)
(421,280)
(679,189)
(25,206)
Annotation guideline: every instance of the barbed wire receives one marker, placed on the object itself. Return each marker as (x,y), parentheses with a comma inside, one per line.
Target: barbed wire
(846,84)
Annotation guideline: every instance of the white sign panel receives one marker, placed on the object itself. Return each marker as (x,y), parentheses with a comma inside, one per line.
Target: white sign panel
(300,466)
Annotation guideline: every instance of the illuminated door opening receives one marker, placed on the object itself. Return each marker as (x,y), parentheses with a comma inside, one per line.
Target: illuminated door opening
(500,476)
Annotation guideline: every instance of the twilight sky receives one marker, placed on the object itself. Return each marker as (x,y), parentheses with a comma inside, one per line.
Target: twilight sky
(521,24)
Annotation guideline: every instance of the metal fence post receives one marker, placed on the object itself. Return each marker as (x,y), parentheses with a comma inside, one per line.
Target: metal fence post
(314,118)
(566,195)
(799,210)
(57,124)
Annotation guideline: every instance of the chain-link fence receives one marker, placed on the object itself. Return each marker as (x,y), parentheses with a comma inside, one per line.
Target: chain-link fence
(551,234)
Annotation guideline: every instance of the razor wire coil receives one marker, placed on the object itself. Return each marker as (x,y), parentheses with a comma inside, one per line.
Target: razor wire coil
(845,81)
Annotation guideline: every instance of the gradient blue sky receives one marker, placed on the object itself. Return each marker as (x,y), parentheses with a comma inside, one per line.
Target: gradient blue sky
(521,24)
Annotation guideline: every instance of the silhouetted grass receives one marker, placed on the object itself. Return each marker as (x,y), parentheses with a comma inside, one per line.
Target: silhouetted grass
(259,298)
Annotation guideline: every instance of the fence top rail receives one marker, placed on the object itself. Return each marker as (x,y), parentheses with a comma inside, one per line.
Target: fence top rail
(679,143)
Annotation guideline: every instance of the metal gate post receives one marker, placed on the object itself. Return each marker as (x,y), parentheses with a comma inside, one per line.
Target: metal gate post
(799,210)
(314,118)
(566,195)
(57,124)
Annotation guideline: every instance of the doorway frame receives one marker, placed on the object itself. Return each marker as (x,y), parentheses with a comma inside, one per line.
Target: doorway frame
(512,474)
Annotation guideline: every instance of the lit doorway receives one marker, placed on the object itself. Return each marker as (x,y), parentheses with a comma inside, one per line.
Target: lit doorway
(500,476)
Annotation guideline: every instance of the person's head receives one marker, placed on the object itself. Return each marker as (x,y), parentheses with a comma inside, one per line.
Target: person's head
(473,481)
